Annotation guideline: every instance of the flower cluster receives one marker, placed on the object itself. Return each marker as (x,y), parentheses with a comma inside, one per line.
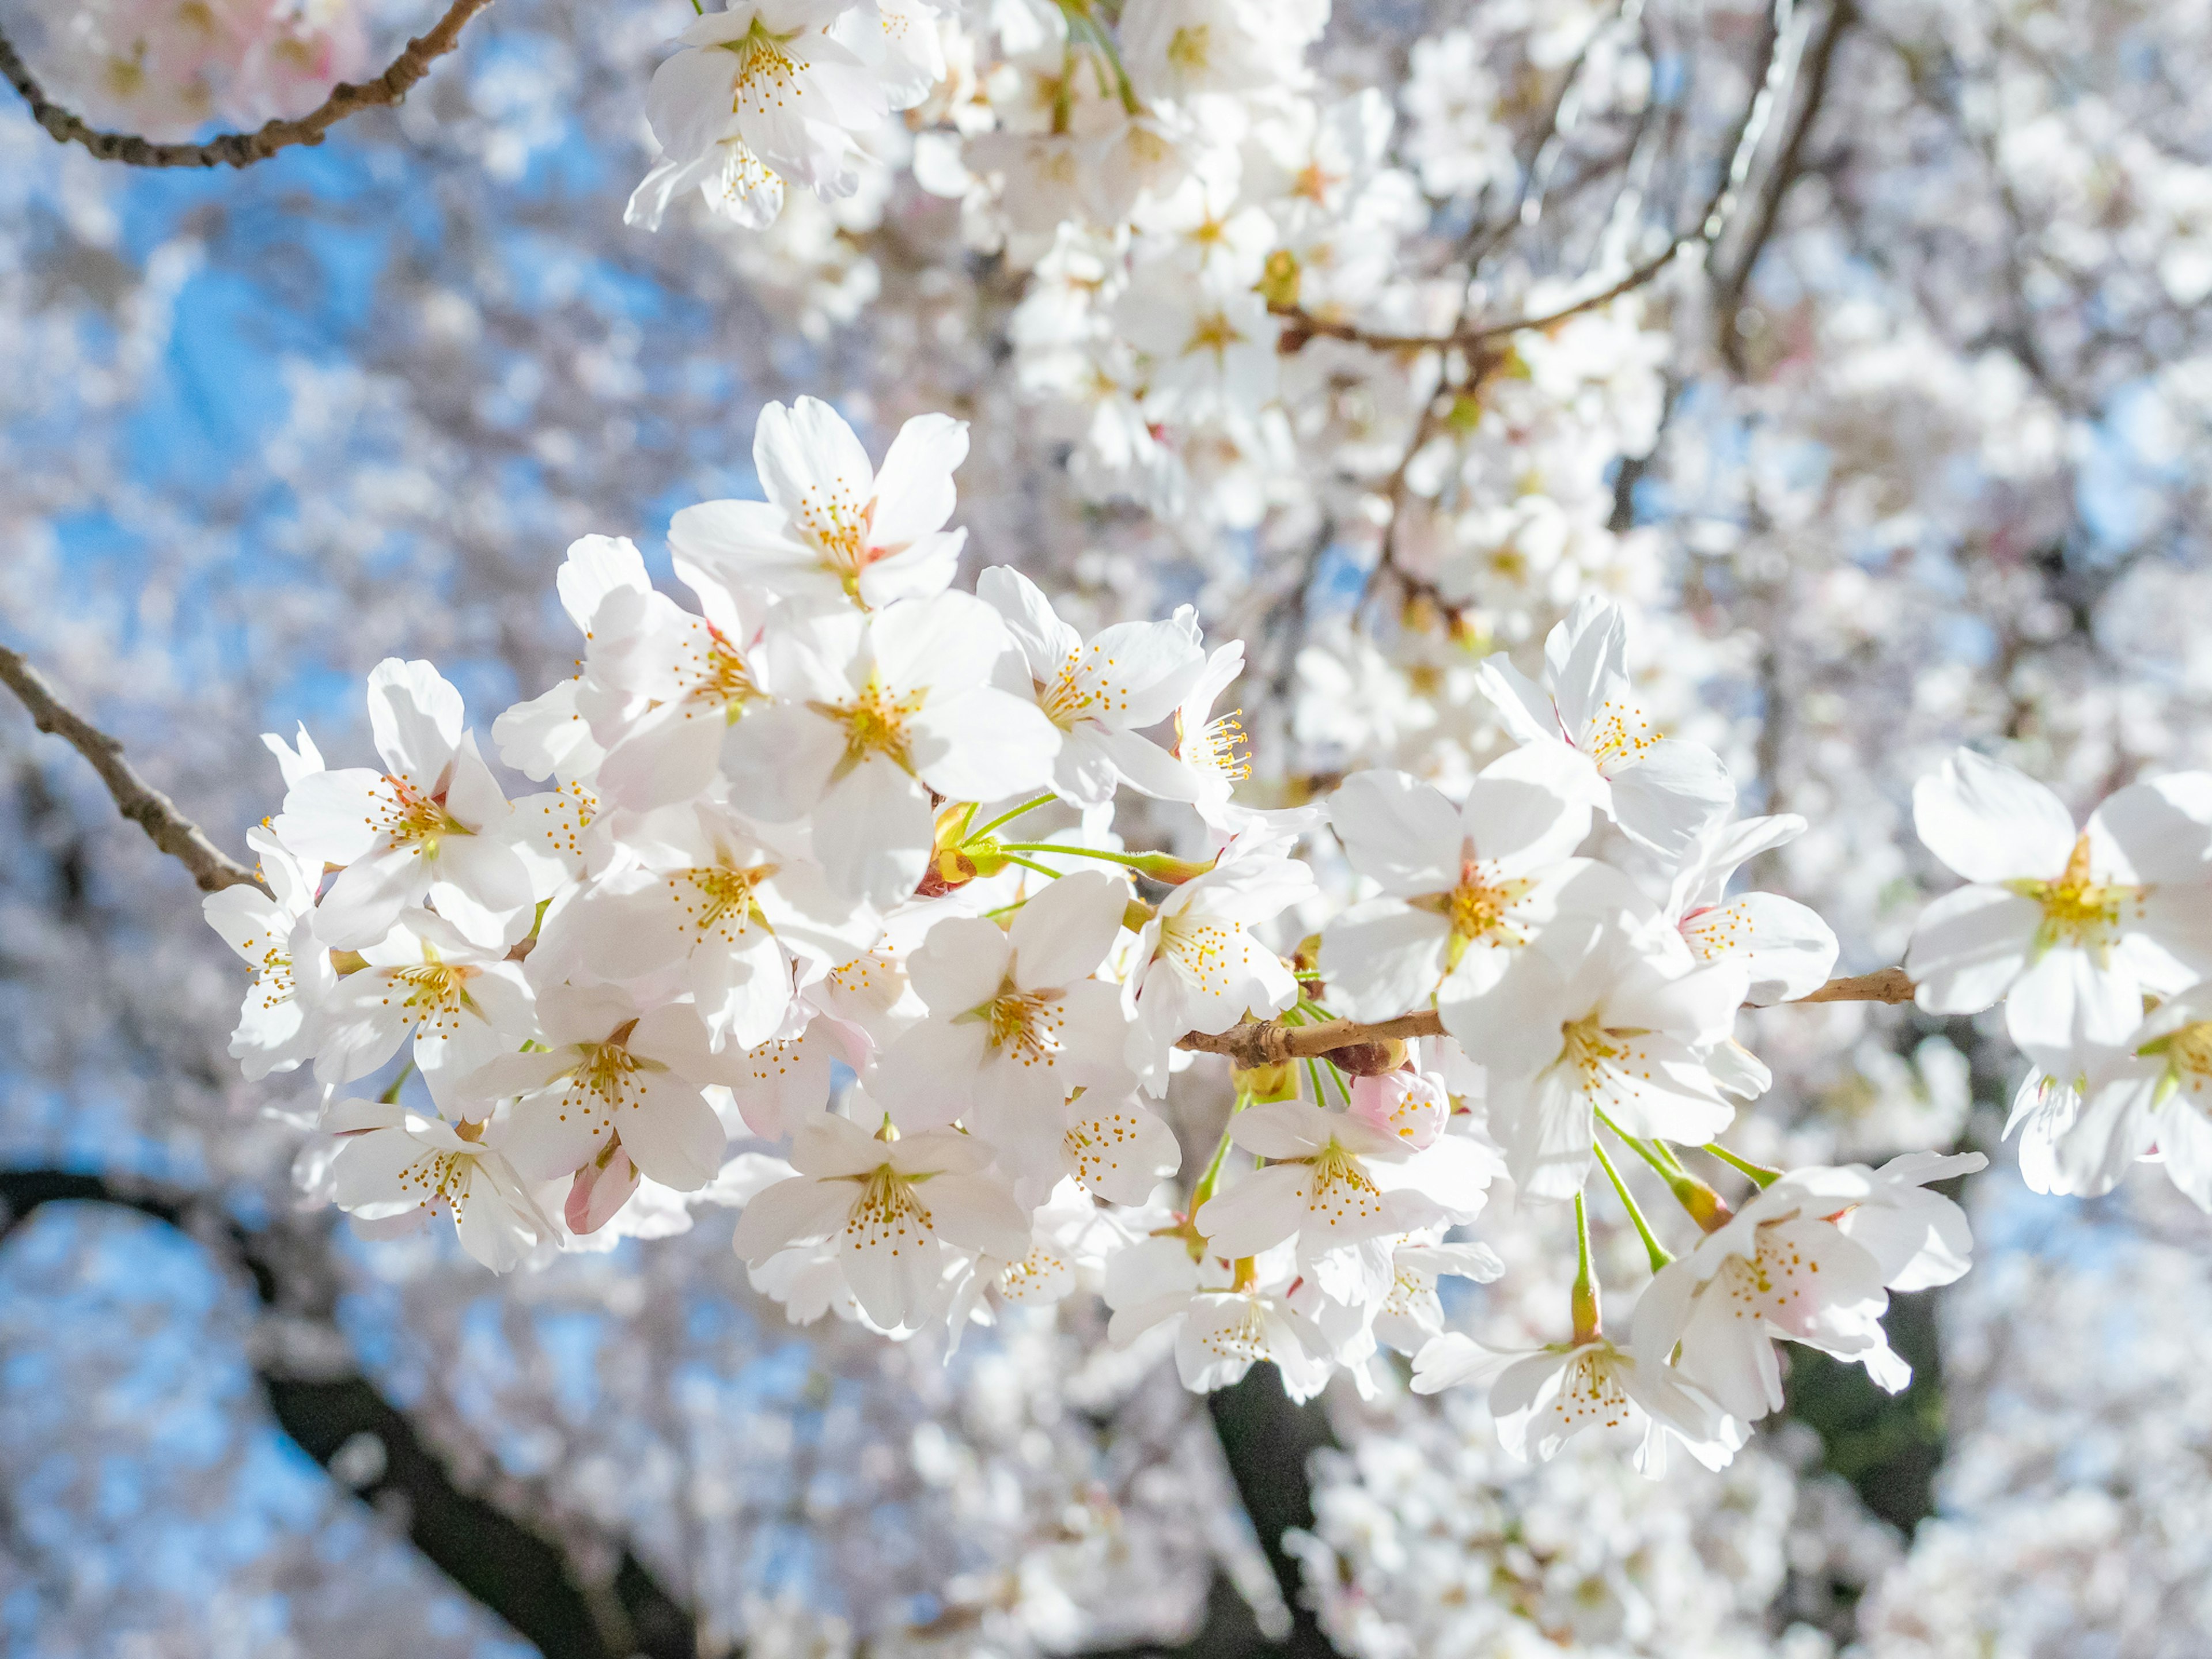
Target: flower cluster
(771,886)
(165,67)
(769,92)
(2098,940)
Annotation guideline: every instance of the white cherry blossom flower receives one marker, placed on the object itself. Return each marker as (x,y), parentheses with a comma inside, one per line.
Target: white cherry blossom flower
(1543,1398)
(1222,1329)
(1197,966)
(1788,950)
(1465,889)
(1810,1258)
(607,1071)
(1209,747)
(888,1211)
(2148,1096)
(734,183)
(462,1004)
(1315,1186)
(2056,918)
(711,910)
(278,1024)
(833,526)
(392,1163)
(1624,1030)
(1662,791)
(431,827)
(1016,1022)
(1101,695)
(784,79)
(1116,1148)
(1328,1184)
(874,713)
(1209,345)
(1183,48)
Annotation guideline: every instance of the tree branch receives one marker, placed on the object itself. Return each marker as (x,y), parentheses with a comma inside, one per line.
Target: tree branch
(508,1565)
(136,798)
(1787,167)
(240,150)
(1270,1043)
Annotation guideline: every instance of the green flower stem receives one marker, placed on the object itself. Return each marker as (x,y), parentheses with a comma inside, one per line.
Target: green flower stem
(1652,1246)
(1590,1322)
(1757,1172)
(1160,866)
(1707,1207)
(1008,817)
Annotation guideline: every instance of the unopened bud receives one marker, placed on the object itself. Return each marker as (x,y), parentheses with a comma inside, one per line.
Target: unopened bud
(1173,871)
(1277,1082)
(1707,1207)
(1370,1059)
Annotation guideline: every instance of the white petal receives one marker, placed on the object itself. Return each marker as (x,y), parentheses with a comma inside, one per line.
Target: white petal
(1991,824)
(1969,946)
(1063,934)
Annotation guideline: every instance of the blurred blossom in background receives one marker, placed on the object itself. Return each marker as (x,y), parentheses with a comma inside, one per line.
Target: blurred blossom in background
(1915,456)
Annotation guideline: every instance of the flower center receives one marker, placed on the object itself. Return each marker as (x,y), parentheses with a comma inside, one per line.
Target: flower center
(876,723)
(436,993)
(1343,1192)
(2077,909)
(1590,1392)
(1213,747)
(839,527)
(720,898)
(766,72)
(1246,1339)
(408,817)
(272,978)
(1082,688)
(887,1214)
(1213,333)
(2188,1056)
(607,1077)
(1025,1024)
(1478,907)
(1619,733)
(439,1177)
(1191,47)
(1202,947)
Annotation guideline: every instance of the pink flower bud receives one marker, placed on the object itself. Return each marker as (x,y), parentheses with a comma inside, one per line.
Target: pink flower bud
(1411,1105)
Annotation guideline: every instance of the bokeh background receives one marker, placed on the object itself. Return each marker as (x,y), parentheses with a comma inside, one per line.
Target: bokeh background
(1924,460)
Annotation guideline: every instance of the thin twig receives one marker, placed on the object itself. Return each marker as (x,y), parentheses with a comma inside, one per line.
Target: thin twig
(1787,167)
(136,798)
(1300,325)
(240,150)
(1270,1043)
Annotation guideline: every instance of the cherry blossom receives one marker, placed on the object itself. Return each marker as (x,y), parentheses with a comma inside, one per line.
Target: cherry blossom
(278,1025)
(872,714)
(833,525)
(1463,889)
(2056,918)
(1661,790)
(1541,1399)
(1101,695)
(1811,1260)
(888,1210)
(429,828)
(393,1164)
(1016,1023)
(1621,1030)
